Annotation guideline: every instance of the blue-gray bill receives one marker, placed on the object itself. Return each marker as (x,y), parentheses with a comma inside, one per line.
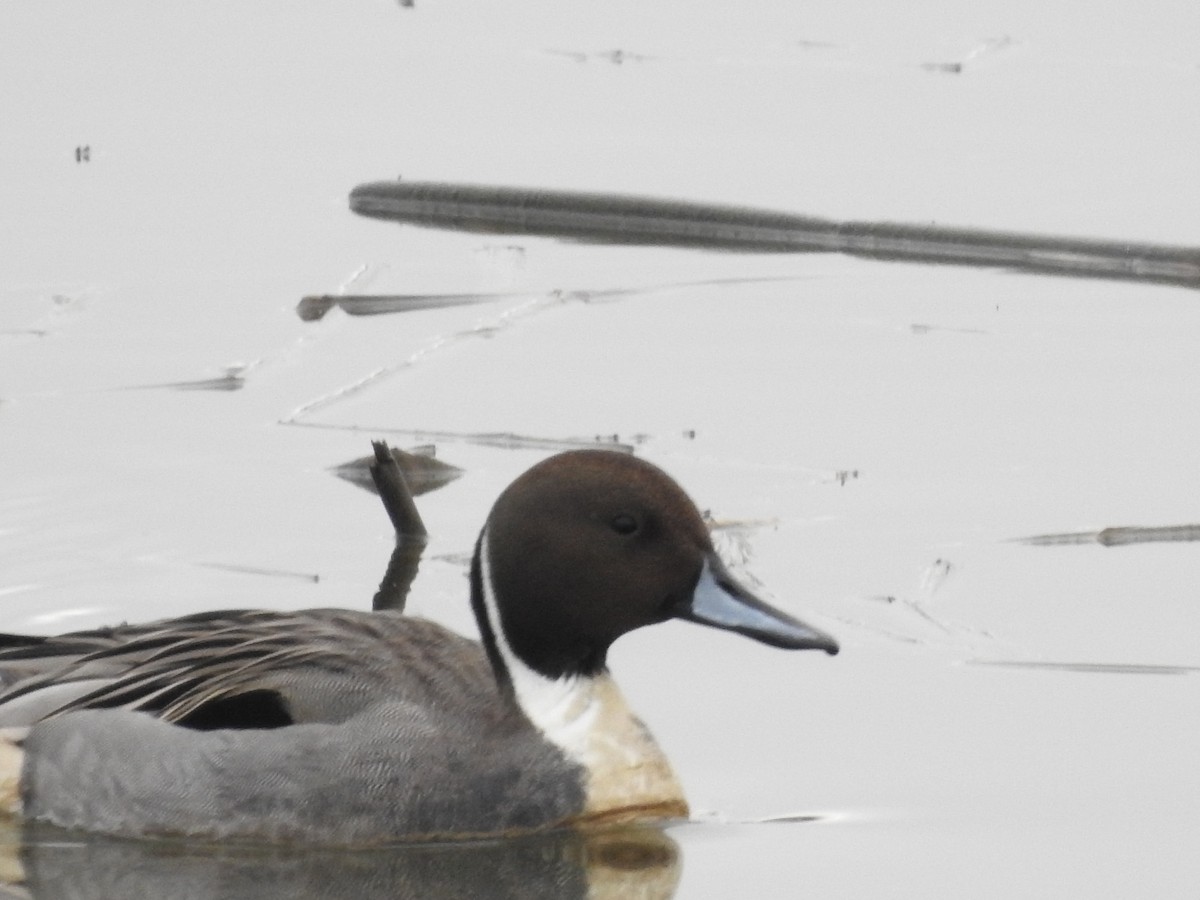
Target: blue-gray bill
(721,602)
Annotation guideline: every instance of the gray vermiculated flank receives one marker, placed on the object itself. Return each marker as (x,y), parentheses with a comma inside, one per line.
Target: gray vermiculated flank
(386,773)
(397,737)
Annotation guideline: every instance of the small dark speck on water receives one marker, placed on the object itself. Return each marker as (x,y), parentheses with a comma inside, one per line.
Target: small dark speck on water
(315,578)
(790,818)
(952,68)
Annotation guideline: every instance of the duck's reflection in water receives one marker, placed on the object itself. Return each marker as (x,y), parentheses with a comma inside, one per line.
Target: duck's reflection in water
(621,863)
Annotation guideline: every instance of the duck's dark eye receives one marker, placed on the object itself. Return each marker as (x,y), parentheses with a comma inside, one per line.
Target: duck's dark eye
(623,523)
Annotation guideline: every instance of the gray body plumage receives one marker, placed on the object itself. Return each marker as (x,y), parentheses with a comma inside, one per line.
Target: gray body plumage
(398,728)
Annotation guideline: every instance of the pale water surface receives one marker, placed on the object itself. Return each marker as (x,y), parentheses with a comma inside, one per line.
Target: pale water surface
(876,442)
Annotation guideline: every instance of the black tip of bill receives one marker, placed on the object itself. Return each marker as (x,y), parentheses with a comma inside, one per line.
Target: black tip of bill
(720,602)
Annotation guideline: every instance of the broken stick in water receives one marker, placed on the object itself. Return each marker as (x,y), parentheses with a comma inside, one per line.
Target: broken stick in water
(411,535)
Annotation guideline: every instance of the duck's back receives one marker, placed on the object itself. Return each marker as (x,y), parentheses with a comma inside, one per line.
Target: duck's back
(247,669)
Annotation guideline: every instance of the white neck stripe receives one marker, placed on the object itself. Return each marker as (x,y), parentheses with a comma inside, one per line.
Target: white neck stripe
(563,709)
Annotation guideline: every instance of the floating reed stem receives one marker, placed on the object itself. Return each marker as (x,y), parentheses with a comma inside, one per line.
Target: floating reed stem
(619,219)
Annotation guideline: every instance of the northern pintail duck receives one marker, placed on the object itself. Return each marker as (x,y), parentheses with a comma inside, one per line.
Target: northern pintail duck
(336,726)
